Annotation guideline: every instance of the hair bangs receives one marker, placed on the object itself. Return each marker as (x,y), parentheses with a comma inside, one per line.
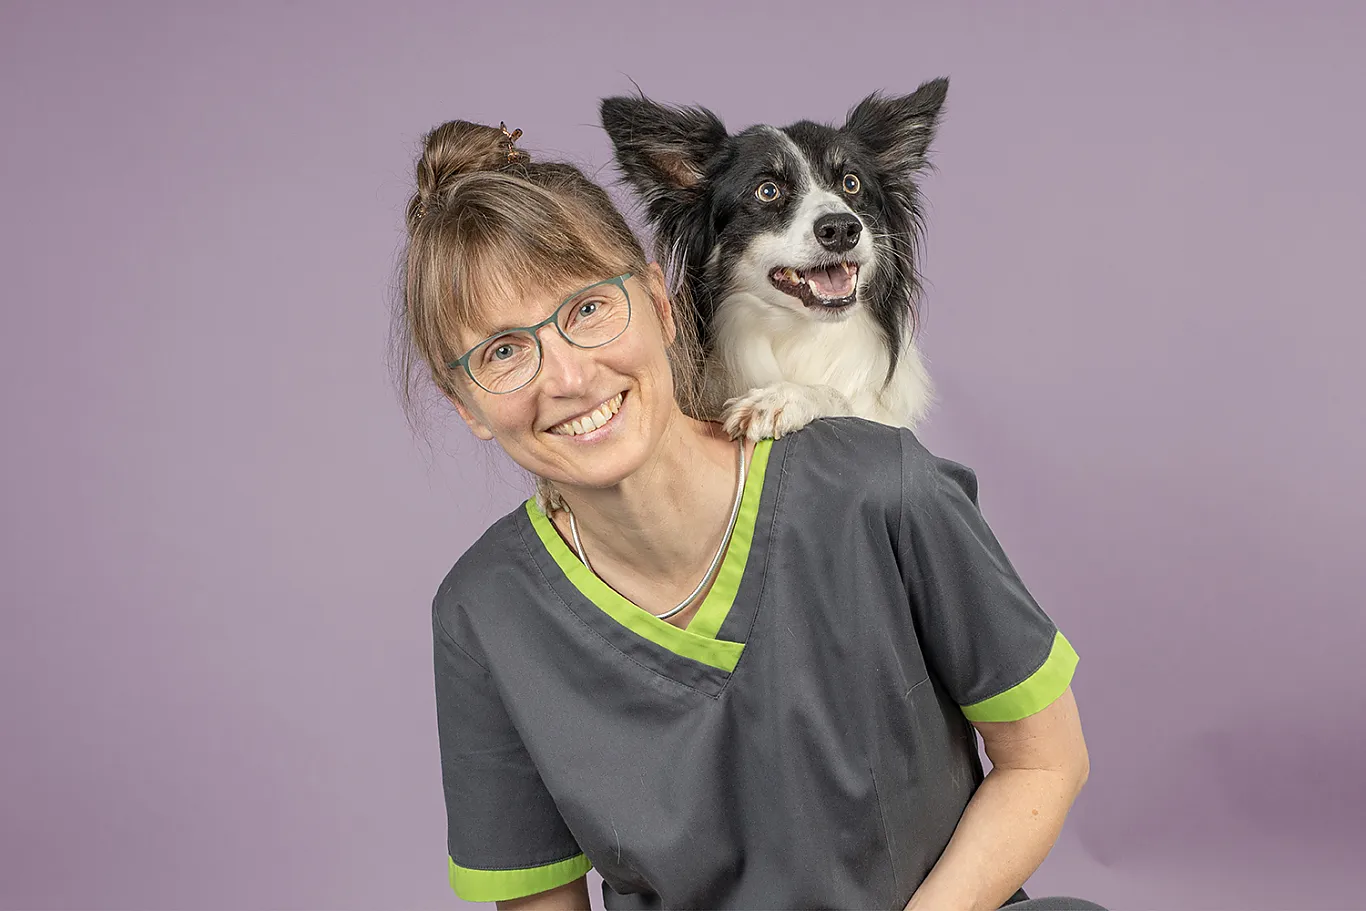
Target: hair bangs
(507,257)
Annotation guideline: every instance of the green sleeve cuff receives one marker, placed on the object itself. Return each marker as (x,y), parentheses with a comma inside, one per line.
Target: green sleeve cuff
(501,885)
(1035,693)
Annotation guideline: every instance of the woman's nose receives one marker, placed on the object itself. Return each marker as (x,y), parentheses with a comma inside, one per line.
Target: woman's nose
(564,371)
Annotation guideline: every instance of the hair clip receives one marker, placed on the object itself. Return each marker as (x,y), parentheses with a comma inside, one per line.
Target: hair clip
(512,137)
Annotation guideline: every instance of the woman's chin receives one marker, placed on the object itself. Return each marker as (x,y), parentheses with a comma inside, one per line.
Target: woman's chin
(601,468)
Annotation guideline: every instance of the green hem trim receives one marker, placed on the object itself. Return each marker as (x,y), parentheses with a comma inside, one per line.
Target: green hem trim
(698,641)
(501,885)
(1033,694)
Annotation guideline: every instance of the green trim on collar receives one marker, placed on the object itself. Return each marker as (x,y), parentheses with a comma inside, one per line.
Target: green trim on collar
(716,606)
(698,641)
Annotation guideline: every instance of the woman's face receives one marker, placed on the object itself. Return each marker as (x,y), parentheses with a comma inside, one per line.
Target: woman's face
(628,378)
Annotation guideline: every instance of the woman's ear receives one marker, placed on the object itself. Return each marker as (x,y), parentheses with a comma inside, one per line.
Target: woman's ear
(471,418)
(659,291)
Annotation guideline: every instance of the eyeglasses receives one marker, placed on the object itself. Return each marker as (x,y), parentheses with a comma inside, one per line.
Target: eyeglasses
(589,318)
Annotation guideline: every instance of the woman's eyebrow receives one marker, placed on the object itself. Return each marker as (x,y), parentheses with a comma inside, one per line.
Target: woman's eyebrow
(486,329)
(488,324)
(492,329)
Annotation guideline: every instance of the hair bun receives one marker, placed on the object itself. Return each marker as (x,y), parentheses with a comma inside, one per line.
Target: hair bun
(456,149)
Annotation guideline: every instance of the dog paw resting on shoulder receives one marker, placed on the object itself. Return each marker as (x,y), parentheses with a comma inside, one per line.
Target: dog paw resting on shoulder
(773,411)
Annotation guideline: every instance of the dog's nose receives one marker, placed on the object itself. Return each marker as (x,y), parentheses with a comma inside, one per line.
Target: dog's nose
(838,231)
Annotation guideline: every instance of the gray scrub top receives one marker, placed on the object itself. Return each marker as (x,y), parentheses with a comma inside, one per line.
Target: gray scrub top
(804,743)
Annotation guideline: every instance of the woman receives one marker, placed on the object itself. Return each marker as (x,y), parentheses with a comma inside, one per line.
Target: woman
(727,675)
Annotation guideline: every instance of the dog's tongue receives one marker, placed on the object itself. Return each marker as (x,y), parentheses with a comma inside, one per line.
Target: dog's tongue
(831,283)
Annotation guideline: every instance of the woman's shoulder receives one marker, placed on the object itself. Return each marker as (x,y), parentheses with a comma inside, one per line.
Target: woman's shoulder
(484,569)
(850,445)
(836,456)
(847,430)
(885,462)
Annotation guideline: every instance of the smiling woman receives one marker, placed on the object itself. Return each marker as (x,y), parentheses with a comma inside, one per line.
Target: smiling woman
(761,690)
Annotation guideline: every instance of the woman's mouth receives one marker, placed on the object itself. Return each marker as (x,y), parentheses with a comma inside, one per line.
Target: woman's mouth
(594,420)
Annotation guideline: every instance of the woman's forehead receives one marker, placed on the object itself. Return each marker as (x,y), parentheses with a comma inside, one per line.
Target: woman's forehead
(502,304)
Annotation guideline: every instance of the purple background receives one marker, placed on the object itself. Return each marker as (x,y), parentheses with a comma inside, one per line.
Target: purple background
(1145,314)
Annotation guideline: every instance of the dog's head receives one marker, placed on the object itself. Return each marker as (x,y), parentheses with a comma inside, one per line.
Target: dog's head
(811,218)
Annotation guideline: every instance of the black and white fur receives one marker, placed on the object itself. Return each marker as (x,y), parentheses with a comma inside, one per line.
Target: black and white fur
(780,354)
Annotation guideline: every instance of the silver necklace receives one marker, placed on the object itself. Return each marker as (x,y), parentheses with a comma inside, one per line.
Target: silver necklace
(720,551)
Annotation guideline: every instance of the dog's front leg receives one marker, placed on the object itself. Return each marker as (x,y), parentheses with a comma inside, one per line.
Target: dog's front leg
(782,407)
(741,361)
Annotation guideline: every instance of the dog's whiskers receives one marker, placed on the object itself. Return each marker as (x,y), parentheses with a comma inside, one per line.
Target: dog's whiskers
(902,257)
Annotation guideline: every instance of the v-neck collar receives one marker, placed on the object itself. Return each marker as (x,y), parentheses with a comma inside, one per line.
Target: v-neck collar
(698,641)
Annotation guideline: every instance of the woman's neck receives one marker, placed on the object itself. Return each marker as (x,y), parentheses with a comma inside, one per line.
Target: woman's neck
(653,536)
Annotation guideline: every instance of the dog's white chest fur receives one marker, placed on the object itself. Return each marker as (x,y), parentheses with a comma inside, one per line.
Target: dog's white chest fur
(775,358)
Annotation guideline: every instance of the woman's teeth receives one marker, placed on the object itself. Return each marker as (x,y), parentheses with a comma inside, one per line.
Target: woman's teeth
(591,421)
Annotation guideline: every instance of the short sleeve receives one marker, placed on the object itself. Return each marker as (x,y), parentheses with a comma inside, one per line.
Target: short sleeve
(997,653)
(505,837)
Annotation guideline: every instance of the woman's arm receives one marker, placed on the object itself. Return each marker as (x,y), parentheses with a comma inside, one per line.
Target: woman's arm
(569,897)
(1039,764)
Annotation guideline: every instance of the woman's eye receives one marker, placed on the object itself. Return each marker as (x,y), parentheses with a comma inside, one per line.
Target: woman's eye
(587,308)
(504,349)
(767,191)
(851,184)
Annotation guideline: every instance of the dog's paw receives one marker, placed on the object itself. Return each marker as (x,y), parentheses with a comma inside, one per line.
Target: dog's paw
(771,411)
(547,497)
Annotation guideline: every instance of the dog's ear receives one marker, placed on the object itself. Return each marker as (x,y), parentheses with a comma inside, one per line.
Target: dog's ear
(663,151)
(899,129)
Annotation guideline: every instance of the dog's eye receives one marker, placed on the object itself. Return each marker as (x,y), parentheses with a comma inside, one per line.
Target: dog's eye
(768,191)
(851,184)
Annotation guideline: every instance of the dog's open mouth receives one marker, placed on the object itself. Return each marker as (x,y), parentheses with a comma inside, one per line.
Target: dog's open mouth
(830,287)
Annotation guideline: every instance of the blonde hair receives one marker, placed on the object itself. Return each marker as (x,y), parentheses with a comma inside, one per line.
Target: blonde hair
(487,224)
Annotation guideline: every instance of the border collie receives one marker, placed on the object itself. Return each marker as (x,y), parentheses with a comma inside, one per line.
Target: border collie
(797,247)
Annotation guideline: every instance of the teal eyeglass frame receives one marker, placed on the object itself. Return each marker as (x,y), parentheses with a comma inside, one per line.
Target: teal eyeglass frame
(463,361)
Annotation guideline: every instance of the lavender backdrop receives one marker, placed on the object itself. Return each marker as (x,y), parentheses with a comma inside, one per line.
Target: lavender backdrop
(220,540)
